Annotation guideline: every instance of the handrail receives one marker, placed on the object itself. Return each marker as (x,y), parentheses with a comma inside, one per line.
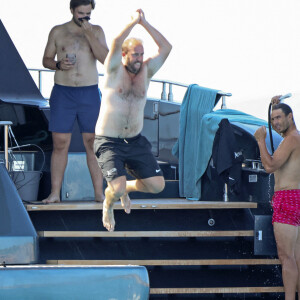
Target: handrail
(6,125)
(165,83)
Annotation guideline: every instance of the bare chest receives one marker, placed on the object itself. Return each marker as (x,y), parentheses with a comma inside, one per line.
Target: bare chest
(72,43)
(289,171)
(133,89)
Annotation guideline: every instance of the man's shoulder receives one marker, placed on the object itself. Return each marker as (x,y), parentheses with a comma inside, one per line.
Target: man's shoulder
(293,140)
(59,28)
(98,29)
(295,135)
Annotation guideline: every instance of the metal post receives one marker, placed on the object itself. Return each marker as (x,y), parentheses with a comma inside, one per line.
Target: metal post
(6,145)
(225,196)
(164,93)
(40,81)
(170,95)
(223,106)
(6,124)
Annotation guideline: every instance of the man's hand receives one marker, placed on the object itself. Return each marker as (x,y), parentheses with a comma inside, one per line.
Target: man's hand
(135,17)
(260,134)
(66,65)
(275,100)
(142,16)
(87,27)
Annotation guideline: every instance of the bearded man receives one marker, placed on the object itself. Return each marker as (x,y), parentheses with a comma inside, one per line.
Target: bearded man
(285,164)
(119,145)
(73,50)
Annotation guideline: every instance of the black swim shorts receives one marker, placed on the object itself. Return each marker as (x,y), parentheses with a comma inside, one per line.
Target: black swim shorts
(116,156)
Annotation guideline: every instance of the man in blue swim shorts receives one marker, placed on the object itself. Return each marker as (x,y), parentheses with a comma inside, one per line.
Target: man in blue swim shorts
(77,46)
(285,164)
(119,145)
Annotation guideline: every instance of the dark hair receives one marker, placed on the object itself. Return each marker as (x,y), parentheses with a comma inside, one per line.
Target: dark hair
(284,107)
(75,3)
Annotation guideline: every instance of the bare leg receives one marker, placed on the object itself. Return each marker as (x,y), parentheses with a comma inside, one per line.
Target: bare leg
(96,174)
(297,255)
(149,185)
(115,189)
(119,189)
(126,203)
(59,159)
(286,237)
(108,219)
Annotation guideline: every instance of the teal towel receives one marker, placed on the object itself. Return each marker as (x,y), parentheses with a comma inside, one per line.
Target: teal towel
(196,103)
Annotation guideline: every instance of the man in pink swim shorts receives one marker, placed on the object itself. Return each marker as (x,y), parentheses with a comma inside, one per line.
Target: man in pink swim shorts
(285,164)
(286,207)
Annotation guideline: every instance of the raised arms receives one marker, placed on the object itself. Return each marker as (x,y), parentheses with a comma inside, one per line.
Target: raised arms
(164,47)
(154,62)
(114,57)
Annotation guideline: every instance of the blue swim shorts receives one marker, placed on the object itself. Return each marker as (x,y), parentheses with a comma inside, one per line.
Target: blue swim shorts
(68,103)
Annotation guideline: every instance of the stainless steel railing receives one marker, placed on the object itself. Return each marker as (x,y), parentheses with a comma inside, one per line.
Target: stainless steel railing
(166,87)
(165,84)
(6,125)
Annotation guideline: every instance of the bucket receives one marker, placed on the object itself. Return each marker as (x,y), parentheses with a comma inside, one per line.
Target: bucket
(27,183)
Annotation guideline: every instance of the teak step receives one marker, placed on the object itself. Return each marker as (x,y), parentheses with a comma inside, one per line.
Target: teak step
(176,203)
(217,290)
(85,234)
(170,262)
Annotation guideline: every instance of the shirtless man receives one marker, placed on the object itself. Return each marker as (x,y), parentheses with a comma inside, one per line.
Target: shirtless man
(118,143)
(285,164)
(78,45)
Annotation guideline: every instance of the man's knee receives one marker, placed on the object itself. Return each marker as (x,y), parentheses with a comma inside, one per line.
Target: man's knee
(118,193)
(284,255)
(117,188)
(61,141)
(157,185)
(88,141)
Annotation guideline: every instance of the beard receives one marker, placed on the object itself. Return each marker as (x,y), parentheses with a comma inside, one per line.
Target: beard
(77,22)
(132,68)
(282,129)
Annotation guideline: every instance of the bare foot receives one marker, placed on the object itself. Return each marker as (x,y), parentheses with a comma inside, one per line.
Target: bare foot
(126,203)
(108,219)
(51,199)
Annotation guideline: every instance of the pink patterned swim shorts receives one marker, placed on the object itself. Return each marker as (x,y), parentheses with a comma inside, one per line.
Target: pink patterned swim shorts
(286,207)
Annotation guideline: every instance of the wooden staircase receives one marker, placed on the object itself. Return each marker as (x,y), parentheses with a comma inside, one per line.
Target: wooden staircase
(192,249)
